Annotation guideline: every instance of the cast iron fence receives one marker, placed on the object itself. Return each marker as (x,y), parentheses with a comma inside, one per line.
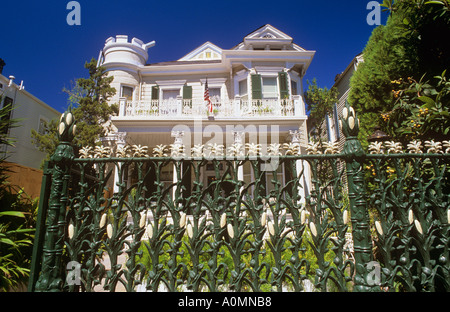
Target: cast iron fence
(377,222)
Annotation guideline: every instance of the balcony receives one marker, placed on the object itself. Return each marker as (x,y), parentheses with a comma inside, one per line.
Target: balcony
(197,108)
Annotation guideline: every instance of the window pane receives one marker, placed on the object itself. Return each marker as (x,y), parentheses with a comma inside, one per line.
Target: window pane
(269,87)
(214,94)
(41,127)
(294,87)
(243,87)
(7,104)
(170,94)
(127,92)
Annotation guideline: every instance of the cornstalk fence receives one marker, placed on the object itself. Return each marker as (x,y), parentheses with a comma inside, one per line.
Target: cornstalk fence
(363,222)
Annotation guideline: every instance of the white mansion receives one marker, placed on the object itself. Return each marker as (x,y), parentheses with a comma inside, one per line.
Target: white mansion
(255,91)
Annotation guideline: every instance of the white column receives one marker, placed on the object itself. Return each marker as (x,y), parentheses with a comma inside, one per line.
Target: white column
(238,139)
(296,139)
(237,106)
(120,141)
(122,106)
(299,107)
(178,135)
(179,105)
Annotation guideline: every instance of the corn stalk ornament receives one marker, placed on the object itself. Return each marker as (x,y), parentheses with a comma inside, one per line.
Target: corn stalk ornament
(355,155)
(50,278)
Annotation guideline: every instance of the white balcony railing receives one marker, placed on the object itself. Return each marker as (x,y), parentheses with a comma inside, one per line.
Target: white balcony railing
(221,108)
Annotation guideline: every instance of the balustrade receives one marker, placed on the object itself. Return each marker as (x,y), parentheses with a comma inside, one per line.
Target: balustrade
(221,108)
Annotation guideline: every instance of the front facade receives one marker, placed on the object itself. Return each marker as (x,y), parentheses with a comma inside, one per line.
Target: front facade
(255,94)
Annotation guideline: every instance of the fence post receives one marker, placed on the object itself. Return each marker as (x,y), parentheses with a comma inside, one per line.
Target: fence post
(50,278)
(36,256)
(354,157)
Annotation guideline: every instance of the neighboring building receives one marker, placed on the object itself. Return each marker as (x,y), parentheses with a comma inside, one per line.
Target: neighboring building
(255,88)
(24,158)
(342,84)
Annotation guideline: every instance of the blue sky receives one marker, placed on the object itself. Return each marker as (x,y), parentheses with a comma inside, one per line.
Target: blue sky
(40,48)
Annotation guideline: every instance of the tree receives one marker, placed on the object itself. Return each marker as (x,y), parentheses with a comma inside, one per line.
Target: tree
(385,58)
(89,96)
(320,103)
(411,44)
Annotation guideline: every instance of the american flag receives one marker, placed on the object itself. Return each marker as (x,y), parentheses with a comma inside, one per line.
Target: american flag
(207,99)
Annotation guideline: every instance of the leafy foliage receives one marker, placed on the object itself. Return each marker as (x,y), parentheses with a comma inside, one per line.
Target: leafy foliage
(16,218)
(320,103)
(411,46)
(17,227)
(421,109)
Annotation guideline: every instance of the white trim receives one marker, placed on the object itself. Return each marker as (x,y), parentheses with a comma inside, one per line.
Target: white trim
(268,29)
(170,84)
(121,85)
(214,82)
(269,71)
(207,45)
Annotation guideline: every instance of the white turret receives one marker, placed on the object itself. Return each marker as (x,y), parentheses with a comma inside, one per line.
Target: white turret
(118,51)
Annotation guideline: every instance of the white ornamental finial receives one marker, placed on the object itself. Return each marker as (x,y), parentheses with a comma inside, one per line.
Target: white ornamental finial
(415,147)
(197,150)
(446,145)
(394,147)
(376,147)
(313,148)
(331,147)
(433,147)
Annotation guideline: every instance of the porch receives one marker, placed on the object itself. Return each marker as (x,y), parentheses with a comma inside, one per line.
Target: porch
(197,107)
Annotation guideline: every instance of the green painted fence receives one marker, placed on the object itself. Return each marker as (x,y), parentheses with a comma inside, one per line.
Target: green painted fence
(335,222)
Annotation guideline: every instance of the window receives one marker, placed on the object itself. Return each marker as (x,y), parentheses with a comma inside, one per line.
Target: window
(7,104)
(170,94)
(127,92)
(42,126)
(269,88)
(214,94)
(243,89)
(294,87)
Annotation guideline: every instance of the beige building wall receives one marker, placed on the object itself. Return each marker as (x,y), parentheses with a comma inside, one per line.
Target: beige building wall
(24,159)
(30,111)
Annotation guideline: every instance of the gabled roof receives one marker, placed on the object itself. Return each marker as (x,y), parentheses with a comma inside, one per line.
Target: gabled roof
(270,35)
(206,52)
(268,32)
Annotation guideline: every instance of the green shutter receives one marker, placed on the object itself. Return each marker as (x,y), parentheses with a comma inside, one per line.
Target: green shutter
(155,93)
(187,92)
(283,81)
(256,87)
